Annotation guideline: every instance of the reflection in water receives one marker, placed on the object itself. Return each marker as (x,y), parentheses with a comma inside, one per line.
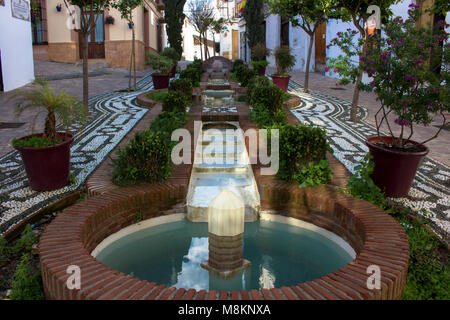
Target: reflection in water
(171,254)
(267,278)
(191,274)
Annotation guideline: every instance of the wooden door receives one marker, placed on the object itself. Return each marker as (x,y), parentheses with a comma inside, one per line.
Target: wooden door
(235,44)
(146,28)
(284,32)
(96,48)
(320,44)
(1,74)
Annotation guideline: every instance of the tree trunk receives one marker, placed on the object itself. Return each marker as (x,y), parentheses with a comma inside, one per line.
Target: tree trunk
(206,46)
(85,44)
(214,47)
(133,52)
(129,72)
(308,61)
(358,81)
(201,45)
(50,126)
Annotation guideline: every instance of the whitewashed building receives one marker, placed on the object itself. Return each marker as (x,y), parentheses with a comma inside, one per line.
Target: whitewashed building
(280,31)
(16,49)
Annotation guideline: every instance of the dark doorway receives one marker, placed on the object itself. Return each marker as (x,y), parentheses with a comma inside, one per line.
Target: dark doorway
(320,44)
(284,32)
(436,55)
(96,48)
(39,22)
(159,36)
(1,73)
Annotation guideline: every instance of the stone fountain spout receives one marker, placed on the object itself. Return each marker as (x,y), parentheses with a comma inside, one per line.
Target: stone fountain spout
(226,231)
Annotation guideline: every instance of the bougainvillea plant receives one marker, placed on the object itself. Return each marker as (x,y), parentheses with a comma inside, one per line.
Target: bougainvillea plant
(407,86)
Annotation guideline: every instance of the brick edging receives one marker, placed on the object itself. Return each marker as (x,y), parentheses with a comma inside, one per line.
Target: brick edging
(376,237)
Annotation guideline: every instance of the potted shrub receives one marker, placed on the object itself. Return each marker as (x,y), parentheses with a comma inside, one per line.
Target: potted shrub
(173,55)
(411,90)
(46,156)
(285,61)
(163,65)
(259,54)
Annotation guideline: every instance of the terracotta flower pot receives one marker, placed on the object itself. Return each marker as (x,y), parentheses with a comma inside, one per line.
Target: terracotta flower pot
(47,168)
(281,81)
(161,81)
(173,71)
(261,71)
(394,170)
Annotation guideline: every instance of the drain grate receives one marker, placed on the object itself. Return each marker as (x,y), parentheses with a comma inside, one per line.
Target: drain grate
(11,125)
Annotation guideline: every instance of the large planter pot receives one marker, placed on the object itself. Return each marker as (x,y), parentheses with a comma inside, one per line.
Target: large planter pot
(173,71)
(47,168)
(394,170)
(281,81)
(161,81)
(261,71)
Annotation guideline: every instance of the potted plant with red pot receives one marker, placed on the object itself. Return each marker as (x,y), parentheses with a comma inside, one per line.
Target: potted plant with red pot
(259,55)
(46,156)
(173,55)
(162,66)
(409,70)
(285,61)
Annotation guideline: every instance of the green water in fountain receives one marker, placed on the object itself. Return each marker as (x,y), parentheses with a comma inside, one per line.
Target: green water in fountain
(170,254)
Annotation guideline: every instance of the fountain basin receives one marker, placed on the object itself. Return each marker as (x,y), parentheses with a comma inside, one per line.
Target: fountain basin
(280,254)
(375,236)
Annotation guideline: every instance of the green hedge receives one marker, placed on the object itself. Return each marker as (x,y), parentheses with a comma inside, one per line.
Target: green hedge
(183,85)
(243,75)
(193,72)
(146,158)
(261,91)
(175,101)
(299,146)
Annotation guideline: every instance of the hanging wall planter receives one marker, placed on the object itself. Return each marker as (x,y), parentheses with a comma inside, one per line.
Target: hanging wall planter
(109,20)
(58,8)
(130,25)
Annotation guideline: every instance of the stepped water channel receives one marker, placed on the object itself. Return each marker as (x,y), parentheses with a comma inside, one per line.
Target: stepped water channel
(221,161)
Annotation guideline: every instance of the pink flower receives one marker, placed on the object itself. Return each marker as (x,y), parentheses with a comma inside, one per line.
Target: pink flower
(327,69)
(401,122)
(409,77)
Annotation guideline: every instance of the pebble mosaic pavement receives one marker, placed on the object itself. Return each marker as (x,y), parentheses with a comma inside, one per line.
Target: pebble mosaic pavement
(429,195)
(114,114)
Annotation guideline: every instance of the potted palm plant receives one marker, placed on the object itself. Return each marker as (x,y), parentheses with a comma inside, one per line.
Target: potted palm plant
(173,55)
(413,88)
(46,156)
(259,54)
(285,61)
(162,66)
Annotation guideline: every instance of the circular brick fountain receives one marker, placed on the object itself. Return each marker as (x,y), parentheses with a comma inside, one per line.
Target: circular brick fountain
(375,236)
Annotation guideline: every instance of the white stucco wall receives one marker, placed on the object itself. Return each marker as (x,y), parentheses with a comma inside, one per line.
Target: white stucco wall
(16,50)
